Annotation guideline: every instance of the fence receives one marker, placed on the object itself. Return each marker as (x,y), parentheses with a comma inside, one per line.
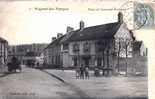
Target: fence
(135,65)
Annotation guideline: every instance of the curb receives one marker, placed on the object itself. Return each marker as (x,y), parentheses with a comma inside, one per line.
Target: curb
(60,79)
(81,94)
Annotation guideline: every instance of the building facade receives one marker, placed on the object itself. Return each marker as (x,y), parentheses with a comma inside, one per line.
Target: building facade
(107,46)
(96,45)
(3,54)
(52,53)
(110,47)
(20,51)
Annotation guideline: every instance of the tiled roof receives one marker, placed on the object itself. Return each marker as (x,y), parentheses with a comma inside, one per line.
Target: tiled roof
(95,32)
(55,42)
(66,37)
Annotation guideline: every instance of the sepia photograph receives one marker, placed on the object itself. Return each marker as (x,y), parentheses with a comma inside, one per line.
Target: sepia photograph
(77,49)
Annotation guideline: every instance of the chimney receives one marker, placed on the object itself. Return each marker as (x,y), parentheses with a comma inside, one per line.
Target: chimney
(59,35)
(69,29)
(120,17)
(53,38)
(81,25)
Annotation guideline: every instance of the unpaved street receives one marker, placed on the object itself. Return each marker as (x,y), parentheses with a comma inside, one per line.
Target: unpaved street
(58,84)
(35,84)
(114,87)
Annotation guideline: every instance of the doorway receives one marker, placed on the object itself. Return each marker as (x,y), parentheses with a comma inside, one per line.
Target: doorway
(86,61)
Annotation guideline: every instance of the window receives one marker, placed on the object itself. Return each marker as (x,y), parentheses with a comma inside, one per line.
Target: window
(86,47)
(100,45)
(65,46)
(75,61)
(75,47)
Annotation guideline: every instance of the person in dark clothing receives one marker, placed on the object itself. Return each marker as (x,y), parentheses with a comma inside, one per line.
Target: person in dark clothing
(82,72)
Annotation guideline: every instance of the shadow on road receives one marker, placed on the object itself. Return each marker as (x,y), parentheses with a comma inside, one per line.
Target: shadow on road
(7,74)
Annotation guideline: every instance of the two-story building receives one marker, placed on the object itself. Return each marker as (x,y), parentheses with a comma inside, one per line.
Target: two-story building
(52,53)
(108,46)
(97,45)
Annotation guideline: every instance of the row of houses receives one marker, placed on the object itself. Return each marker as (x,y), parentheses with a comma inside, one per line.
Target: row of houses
(25,53)
(109,46)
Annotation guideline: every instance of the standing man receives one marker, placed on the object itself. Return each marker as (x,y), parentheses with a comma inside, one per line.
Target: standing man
(82,69)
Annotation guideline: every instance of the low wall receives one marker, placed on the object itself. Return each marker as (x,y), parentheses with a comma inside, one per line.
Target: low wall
(135,65)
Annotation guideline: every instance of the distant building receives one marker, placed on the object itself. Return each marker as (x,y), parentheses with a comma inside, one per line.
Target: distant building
(30,59)
(3,54)
(139,60)
(20,51)
(139,49)
(52,53)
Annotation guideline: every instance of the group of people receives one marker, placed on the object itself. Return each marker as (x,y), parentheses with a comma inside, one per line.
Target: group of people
(82,72)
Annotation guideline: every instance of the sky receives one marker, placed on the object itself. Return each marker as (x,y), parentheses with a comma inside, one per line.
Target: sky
(24,22)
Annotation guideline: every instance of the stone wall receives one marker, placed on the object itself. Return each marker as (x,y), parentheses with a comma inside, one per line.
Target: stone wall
(136,65)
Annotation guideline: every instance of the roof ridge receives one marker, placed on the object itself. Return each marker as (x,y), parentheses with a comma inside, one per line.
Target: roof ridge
(99,25)
(93,32)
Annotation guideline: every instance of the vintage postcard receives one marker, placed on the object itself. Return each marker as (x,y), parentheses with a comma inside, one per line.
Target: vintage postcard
(77,49)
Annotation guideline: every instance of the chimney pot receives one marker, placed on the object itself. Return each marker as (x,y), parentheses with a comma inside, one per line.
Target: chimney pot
(69,29)
(59,35)
(120,17)
(53,38)
(81,25)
